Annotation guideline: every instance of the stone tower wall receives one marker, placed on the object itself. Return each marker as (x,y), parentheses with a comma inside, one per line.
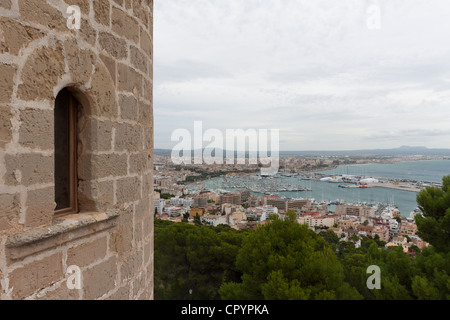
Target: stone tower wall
(107,64)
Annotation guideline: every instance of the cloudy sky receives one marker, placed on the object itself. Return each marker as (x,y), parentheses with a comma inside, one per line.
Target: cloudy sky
(329,74)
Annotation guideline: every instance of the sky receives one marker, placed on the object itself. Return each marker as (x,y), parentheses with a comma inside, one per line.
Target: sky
(330,75)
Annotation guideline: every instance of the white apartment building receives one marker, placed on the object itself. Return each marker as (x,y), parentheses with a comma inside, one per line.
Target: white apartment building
(159,205)
(214,220)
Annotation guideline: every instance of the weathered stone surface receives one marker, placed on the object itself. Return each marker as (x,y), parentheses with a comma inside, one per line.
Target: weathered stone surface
(61,293)
(36,129)
(83,4)
(148,138)
(102,94)
(131,265)
(140,11)
(145,114)
(142,209)
(41,73)
(123,293)
(15,36)
(139,286)
(9,210)
(88,252)
(6,82)
(128,107)
(107,65)
(40,207)
(36,275)
(116,47)
(148,90)
(138,59)
(5,4)
(80,62)
(102,11)
(121,240)
(139,163)
(128,137)
(5,125)
(110,65)
(100,279)
(146,43)
(93,166)
(40,12)
(129,80)
(28,169)
(128,190)
(96,134)
(124,25)
(87,32)
(95,196)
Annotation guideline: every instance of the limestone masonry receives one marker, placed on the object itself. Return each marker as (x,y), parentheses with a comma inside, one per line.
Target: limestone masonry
(108,66)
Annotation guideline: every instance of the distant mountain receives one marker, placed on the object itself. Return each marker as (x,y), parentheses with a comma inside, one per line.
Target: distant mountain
(401,151)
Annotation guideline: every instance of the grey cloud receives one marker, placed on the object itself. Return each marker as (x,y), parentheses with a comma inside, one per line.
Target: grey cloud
(188,70)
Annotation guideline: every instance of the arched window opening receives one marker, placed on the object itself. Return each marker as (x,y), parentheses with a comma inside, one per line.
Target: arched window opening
(66,180)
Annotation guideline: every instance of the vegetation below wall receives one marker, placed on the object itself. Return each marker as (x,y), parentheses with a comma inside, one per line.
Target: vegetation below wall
(285,260)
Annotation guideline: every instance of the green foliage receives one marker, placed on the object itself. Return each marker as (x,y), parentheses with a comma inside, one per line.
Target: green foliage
(434,226)
(194,257)
(285,260)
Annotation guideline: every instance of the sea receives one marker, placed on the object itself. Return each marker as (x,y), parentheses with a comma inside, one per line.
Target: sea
(425,171)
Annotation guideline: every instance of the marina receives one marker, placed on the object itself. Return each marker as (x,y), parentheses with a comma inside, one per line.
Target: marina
(327,187)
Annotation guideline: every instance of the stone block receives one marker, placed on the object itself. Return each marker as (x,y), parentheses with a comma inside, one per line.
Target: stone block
(37,129)
(8,73)
(129,79)
(102,10)
(116,47)
(5,125)
(91,166)
(94,196)
(41,73)
(80,62)
(138,59)
(102,94)
(128,190)
(128,137)
(9,210)
(125,25)
(40,12)
(28,169)
(36,275)
(87,253)
(128,107)
(131,265)
(40,206)
(5,4)
(100,279)
(96,134)
(16,36)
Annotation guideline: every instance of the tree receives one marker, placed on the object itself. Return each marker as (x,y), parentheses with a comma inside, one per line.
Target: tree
(434,225)
(194,257)
(286,260)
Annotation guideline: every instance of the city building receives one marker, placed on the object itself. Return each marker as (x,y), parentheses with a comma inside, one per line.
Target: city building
(194,212)
(200,201)
(408,229)
(275,201)
(159,205)
(382,232)
(214,220)
(232,198)
(353,210)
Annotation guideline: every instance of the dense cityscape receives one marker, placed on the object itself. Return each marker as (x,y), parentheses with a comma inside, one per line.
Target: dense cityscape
(181,197)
